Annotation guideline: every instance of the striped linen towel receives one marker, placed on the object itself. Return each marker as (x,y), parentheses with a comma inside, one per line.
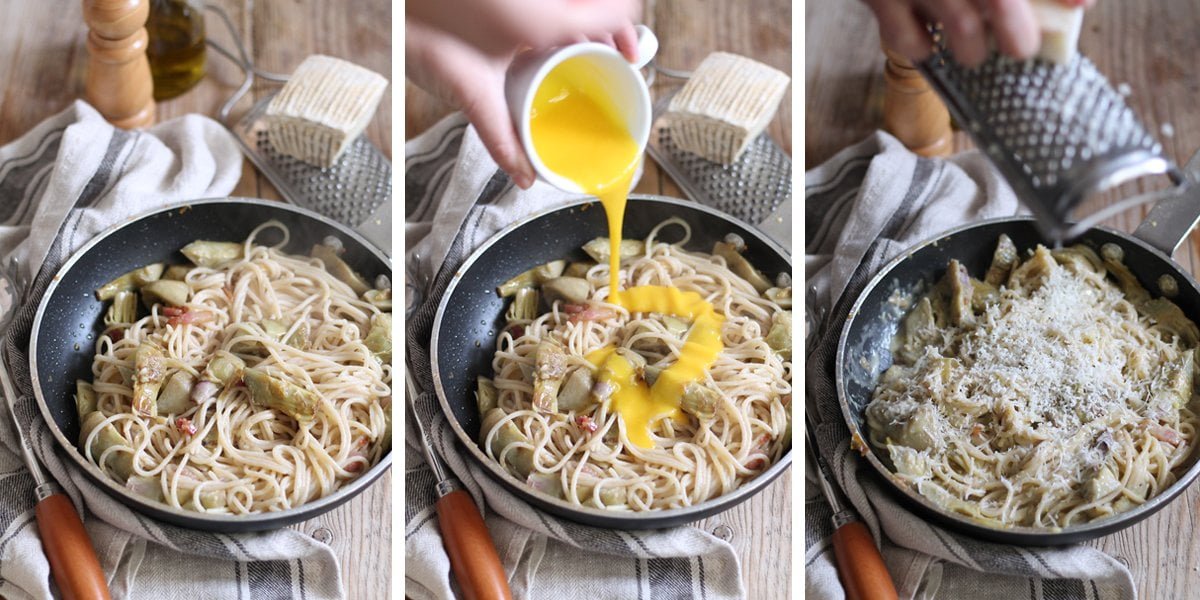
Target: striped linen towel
(69,178)
(862,208)
(455,199)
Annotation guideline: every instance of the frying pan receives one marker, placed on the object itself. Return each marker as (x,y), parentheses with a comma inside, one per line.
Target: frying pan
(471,315)
(69,319)
(863,352)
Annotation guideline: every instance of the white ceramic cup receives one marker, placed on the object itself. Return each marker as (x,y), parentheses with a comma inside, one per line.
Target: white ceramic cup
(620,77)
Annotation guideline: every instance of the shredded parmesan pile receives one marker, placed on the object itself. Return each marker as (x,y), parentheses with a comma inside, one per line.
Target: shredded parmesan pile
(1012,415)
(1057,358)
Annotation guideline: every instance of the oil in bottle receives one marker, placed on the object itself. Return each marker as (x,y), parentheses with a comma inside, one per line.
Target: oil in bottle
(176,50)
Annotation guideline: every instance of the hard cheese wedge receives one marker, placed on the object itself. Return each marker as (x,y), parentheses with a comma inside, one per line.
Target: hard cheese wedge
(1060,26)
(728,101)
(322,109)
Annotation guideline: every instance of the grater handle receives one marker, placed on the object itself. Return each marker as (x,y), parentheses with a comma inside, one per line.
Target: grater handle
(1174,216)
(242,60)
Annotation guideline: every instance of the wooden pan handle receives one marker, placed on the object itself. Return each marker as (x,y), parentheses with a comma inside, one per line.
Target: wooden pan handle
(72,557)
(472,552)
(863,573)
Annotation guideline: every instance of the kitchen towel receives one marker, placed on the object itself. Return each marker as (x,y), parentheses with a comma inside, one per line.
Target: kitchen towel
(455,199)
(68,179)
(862,208)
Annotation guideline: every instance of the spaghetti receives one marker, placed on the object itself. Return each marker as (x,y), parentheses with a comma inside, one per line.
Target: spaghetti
(1054,392)
(619,433)
(258,381)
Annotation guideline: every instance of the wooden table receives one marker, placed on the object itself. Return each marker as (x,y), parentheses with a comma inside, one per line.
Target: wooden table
(42,62)
(688,30)
(1148,47)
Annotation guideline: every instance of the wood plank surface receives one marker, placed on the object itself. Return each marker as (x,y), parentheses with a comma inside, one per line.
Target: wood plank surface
(42,64)
(1147,46)
(689,30)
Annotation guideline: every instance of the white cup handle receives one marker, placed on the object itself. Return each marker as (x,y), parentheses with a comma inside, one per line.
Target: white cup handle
(647,46)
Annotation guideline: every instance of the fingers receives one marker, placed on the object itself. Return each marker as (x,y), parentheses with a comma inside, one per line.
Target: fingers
(604,38)
(608,22)
(490,115)
(424,48)
(964,29)
(625,39)
(565,20)
(475,83)
(488,112)
(1014,26)
(900,29)
(967,24)
(486,108)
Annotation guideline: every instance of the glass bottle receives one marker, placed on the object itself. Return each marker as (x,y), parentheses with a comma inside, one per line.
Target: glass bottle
(176,50)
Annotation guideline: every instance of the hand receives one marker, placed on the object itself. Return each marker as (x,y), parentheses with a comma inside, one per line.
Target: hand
(463,61)
(966,24)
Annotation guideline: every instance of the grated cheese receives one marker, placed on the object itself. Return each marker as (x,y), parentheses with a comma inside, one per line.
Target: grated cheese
(1032,397)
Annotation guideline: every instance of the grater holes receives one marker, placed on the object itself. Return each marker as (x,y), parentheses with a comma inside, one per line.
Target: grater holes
(751,188)
(1044,119)
(350,191)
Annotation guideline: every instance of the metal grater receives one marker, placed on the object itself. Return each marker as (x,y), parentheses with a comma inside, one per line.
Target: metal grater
(356,191)
(1057,133)
(754,188)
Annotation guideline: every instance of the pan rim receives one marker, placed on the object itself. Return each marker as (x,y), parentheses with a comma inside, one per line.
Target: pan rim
(687,513)
(1038,535)
(262,520)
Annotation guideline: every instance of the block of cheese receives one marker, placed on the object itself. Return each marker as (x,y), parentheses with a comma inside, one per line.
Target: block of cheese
(322,109)
(1060,26)
(727,102)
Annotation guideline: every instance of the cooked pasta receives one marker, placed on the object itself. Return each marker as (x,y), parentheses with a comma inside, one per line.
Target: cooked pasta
(582,408)
(1053,392)
(256,381)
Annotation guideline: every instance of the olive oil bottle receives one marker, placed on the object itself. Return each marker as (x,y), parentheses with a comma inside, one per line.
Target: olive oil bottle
(176,50)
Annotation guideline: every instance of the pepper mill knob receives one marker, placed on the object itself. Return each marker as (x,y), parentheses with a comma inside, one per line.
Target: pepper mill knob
(119,83)
(912,111)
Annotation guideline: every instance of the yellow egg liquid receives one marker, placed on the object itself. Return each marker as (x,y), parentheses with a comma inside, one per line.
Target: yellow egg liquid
(578,135)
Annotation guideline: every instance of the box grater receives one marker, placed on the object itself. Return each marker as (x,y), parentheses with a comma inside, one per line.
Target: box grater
(757,188)
(355,191)
(1057,133)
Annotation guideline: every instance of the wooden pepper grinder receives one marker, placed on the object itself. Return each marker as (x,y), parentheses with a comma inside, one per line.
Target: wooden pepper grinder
(118,75)
(912,111)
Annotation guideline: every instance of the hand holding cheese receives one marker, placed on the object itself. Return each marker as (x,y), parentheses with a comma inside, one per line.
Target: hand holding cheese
(1059,25)
(1022,29)
(460,50)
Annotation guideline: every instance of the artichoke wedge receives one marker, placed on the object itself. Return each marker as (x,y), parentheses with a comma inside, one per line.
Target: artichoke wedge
(288,398)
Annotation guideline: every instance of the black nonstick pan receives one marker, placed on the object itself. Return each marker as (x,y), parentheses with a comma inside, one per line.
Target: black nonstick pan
(69,319)
(471,315)
(863,351)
